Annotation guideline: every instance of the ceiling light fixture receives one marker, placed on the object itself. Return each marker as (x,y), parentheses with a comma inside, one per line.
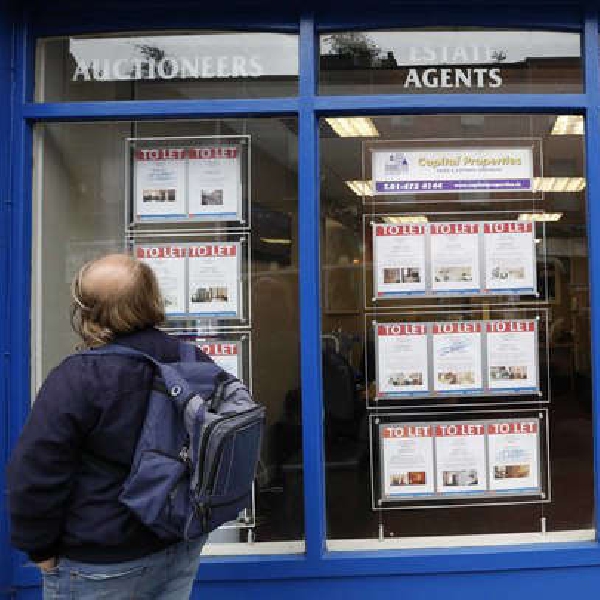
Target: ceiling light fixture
(559,184)
(398,219)
(568,125)
(541,217)
(353,126)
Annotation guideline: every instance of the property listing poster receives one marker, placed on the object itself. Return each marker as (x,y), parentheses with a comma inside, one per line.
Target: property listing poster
(399,259)
(227,355)
(407,464)
(455,257)
(510,257)
(446,170)
(213,279)
(457,353)
(402,360)
(169,265)
(460,458)
(160,183)
(214,182)
(512,355)
(514,455)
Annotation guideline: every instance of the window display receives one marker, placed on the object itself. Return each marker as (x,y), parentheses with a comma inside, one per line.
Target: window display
(466,461)
(466,170)
(189,180)
(207,273)
(459,258)
(457,358)
(463,360)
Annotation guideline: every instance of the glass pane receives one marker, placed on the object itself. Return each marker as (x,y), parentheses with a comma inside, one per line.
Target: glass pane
(81,177)
(458,60)
(167,66)
(456,330)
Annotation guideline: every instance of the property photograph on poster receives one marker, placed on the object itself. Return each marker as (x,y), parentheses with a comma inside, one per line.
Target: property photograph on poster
(457,357)
(169,265)
(450,170)
(407,467)
(215,182)
(514,451)
(213,279)
(512,355)
(460,458)
(455,257)
(399,259)
(160,182)
(402,359)
(510,257)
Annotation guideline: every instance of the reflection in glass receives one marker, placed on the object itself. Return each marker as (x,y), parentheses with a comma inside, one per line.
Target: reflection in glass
(167,67)
(557,207)
(80,214)
(450,61)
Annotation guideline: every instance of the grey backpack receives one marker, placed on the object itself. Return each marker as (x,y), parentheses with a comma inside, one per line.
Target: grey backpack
(196,457)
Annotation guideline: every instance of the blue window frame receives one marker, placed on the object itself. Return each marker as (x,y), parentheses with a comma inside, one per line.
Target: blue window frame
(308,107)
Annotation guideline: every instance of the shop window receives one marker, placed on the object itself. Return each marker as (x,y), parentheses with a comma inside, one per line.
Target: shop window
(164,190)
(167,66)
(447,61)
(456,330)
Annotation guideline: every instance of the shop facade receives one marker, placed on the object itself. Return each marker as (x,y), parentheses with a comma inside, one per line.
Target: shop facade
(383,220)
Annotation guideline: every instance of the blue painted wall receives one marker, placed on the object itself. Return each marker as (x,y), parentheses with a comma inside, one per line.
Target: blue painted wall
(5,215)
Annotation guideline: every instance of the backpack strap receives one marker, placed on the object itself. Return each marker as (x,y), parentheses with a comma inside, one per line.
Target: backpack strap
(187,352)
(177,387)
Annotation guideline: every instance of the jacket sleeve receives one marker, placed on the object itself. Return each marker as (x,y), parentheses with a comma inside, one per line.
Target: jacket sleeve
(41,469)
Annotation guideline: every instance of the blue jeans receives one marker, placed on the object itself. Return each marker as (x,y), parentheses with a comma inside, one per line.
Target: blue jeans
(165,575)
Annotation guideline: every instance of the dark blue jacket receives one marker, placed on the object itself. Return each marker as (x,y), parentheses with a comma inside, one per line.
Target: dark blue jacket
(64,502)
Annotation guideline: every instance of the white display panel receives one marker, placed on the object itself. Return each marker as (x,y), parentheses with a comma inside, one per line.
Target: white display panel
(514,463)
(197,181)
(160,190)
(509,249)
(457,351)
(455,257)
(402,360)
(200,280)
(214,273)
(169,265)
(437,170)
(512,355)
(399,259)
(407,460)
(227,355)
(447,459)
(215,182)
(460,458)
(430,360)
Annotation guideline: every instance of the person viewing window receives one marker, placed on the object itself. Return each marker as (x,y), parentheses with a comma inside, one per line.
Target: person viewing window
(76,450)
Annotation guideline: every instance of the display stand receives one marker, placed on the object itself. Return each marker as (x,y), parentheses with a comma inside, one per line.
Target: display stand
(187,215)
(456,323)
(453,459)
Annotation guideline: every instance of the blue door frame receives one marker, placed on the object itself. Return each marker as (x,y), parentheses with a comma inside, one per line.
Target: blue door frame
(317,569)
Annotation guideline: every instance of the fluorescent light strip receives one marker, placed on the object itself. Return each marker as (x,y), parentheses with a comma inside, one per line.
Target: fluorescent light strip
(398,219)
(353,126)
(541,217)
(559,184)
(360,188)
(568,125)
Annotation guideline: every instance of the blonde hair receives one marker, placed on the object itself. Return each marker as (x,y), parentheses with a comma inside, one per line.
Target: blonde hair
(112,295)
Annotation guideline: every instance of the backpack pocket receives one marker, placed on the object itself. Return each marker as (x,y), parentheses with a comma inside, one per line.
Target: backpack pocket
(158,493)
